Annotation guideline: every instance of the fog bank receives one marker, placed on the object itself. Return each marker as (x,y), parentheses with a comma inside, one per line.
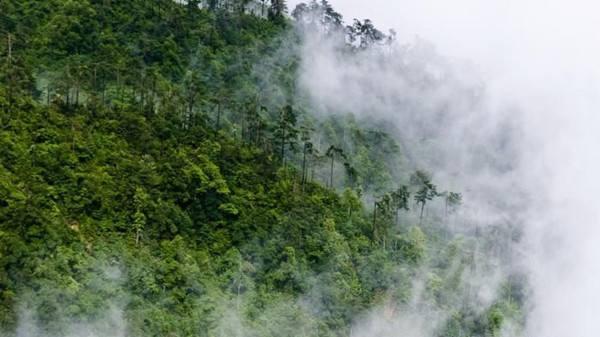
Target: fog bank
(508,99)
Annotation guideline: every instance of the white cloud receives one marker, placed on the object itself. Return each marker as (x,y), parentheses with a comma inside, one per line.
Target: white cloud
(539,61)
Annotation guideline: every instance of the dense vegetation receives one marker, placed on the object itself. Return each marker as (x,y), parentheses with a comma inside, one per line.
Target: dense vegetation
(158,161)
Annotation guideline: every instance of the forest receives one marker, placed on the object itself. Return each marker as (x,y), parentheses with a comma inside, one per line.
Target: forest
(162,173)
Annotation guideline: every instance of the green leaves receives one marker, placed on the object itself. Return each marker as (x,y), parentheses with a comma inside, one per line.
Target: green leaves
(200,172)
(413,245)
(142,172)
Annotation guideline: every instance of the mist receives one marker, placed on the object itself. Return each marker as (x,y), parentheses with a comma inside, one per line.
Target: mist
(526,139)
(497,100)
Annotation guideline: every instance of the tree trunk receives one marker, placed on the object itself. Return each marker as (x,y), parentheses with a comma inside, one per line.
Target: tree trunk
(103,95)
(421,215)
(446,211)
(331,173)
(244,132)
(68,95)
(142,91)
(11,73)
(95,88)
(72,137)
(153,94)
(283,145)
(303,167)
(375,221)
(77,93)
(118,85)
(218,115)
(138,236)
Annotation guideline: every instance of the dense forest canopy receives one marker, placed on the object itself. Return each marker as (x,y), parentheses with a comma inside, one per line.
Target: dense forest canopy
(163,174)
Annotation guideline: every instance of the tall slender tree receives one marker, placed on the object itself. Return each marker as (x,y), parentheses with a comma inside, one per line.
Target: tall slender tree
(351,174)
(286,132)
(333,152)
(277,10)
(364,34)
(425,190)
(382,217)
(400,198)
(307,150)
(452,201)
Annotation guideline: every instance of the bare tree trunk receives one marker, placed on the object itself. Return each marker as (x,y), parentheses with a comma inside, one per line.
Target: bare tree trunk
(77,93)
(119,86)
(331,173)
(244,127)
(375,221)
(68,95)
(10,71)
(72,137)
(304,167)
(95,84)
(283,145)
(218,115)
(153,93)
(103,96)
(142,90)
(446,210)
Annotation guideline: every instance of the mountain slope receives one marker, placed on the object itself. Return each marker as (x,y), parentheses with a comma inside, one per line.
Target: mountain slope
(161,175)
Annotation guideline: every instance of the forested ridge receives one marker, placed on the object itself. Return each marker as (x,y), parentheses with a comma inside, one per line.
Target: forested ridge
(160,170)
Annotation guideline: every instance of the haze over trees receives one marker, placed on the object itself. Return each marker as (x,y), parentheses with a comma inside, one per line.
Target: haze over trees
(157,157)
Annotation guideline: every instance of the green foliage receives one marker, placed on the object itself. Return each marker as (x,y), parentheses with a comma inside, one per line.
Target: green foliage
(425,189)
(413,245)
(156,157)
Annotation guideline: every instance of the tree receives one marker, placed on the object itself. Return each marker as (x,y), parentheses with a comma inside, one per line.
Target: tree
(300,11)
(140,201)
(192,88)
(253,123)
(413,245)
(213,4)
(351,174)
(193,5)
(321,14)
(425,190)
(15,73)
(401,197)
(381,217)
(9,66)
(219,102)
(332,151)
(452,202)
(277,9)
(307,150)
(352,200)
(241,5)
(365,33)
(286,132)
(263,4)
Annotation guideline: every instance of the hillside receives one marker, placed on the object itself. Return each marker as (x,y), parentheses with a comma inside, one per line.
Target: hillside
(161,174)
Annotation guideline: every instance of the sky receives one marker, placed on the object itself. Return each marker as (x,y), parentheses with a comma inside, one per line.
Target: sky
(496,35)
